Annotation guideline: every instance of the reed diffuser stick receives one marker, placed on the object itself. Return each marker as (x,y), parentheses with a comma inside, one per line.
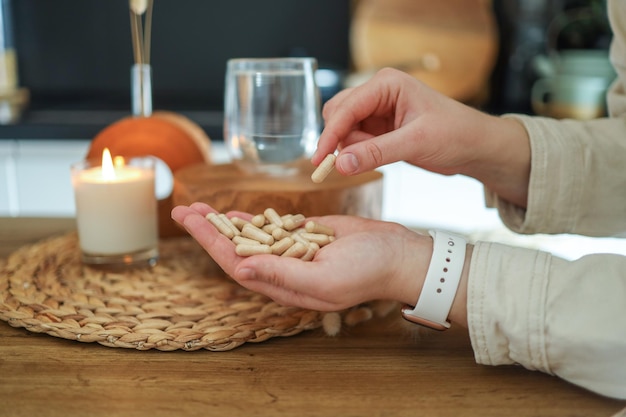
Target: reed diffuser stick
(147,34)
(137,37)
(141,40)
(141,35)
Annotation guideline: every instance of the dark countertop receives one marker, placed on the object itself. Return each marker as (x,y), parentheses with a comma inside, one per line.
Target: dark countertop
(85,124)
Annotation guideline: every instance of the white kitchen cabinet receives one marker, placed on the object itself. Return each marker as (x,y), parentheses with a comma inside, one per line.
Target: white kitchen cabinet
(6,173)
(42,176)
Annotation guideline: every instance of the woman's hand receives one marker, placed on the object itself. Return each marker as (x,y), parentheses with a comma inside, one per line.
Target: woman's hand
(394,117)
(369,260)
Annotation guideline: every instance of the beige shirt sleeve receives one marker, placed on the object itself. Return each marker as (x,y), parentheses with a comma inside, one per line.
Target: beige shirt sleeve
(527,307)
(577,179)
(564,318)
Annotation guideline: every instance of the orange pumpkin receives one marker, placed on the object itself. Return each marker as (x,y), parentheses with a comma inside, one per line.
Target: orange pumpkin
(171,137)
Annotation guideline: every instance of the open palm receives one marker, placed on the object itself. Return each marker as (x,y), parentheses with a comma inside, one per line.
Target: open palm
(369,260)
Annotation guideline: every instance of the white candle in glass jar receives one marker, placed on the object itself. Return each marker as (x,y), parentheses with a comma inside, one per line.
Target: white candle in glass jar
(116,208)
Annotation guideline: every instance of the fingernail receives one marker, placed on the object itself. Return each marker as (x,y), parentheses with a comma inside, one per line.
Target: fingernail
(348,163)
(247,274)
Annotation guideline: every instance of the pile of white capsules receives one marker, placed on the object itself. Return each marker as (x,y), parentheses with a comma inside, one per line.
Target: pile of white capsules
(270,233)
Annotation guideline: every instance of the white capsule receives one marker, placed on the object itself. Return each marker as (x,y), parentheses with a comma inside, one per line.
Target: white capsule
(249,250)
(357,315)
(240,240)
(279,247)
(253,232)
(269,228)
(331,322)
(324,168)
(294,222)
(238,222)
(258,220)
(228,223)
(279,233)
(296,250)
(318,238)
(310,251)
(314,227)
(273,217)
(297,237)
(220,225)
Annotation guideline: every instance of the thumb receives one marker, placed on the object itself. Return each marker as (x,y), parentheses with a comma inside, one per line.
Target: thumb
(288,281)
(370,154)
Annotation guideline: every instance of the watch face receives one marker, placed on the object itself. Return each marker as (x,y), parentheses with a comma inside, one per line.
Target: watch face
(407,311)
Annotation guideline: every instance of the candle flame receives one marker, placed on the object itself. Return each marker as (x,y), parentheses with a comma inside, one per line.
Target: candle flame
(108,172)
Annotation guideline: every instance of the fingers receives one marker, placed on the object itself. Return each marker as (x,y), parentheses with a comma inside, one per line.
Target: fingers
(373,153)
(361,123)
(341,120)
(220,248)
(328,143)
(202,208)
(288,281)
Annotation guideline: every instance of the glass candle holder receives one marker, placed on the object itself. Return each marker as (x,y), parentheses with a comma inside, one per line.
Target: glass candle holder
(116,211)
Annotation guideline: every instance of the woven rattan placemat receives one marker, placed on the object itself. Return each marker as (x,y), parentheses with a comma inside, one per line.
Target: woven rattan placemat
(184,302)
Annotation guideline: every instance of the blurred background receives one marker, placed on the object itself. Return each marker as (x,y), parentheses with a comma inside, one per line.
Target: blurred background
(74,56)
(65,75)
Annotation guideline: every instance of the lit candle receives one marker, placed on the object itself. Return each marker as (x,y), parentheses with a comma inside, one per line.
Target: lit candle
(116,210)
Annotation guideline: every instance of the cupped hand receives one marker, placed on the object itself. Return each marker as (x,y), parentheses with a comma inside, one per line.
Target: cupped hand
(369,260)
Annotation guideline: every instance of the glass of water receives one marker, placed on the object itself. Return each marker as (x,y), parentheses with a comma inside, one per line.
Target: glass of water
(272,113)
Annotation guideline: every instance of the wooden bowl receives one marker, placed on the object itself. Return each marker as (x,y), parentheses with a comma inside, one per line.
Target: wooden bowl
(226,187)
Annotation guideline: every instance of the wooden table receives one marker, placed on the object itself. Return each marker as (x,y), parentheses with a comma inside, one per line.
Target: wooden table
(379,368)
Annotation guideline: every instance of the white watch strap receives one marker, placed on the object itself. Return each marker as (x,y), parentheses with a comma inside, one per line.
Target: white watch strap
(441,282)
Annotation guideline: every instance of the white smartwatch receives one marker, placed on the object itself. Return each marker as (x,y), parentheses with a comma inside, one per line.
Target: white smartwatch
(441,283)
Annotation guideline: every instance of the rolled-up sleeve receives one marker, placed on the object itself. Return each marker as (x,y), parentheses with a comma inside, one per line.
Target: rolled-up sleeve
(527,307)
(578,168)
(564,318)
(577,179)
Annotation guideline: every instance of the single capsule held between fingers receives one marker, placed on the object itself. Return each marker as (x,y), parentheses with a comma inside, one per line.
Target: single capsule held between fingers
(324,168)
